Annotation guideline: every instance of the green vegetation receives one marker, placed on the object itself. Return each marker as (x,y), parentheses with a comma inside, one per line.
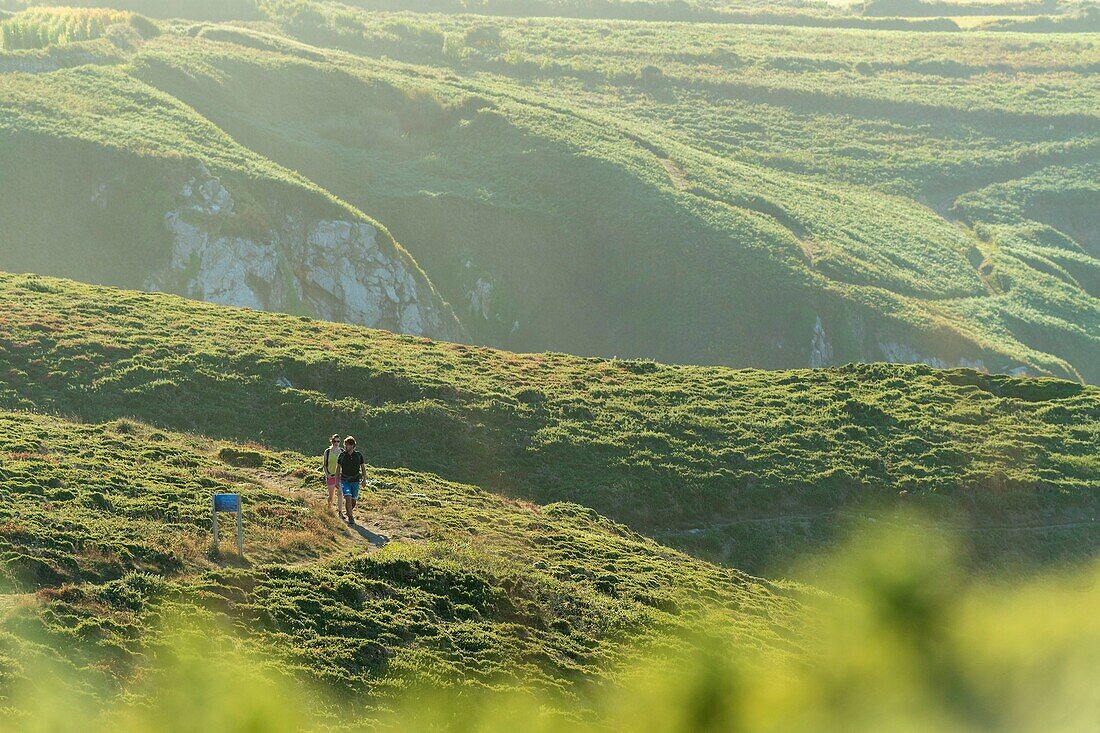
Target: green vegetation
(598,159)
(748,467)
(720,183)
(104,533)
(1086,19)
(56,26)
(905,641)
(451,602)
(689,192)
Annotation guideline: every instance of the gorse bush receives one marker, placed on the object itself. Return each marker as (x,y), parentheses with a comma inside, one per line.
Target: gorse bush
(42,27)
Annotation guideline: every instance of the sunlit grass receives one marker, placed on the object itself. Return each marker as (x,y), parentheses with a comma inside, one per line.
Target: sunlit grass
(903,640)
(43,27)
(748,467)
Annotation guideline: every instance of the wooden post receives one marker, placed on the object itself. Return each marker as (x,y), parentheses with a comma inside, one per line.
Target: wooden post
(228,503)
(214,521)
(240,526)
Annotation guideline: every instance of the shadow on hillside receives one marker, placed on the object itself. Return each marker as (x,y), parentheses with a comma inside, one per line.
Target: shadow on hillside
(229,558)
(378,540)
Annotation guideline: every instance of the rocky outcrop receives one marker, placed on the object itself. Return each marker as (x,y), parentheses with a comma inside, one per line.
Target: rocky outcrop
(481,298)
(333,269)
(821,351)
(904,354)
(823,354)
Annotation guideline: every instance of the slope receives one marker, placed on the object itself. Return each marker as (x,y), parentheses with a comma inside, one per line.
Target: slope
(914,15)
(665,449)
(108,180)
(104,533)
(681,192)
(685,192)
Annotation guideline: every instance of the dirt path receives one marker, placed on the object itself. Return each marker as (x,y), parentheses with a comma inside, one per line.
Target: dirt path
(1021,527)
(782,518)
(367,532)
(321,533)
(675,173)
(8,601)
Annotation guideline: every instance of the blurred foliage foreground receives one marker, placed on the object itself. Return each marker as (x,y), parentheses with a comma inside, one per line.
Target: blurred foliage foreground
(902,640)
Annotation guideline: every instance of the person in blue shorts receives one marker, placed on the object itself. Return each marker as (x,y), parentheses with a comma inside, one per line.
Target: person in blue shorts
(353,472)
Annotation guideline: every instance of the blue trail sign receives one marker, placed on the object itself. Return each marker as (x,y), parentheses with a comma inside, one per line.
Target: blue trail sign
(228,503)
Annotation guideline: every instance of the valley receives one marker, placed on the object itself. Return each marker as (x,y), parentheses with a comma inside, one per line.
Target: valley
(715,365)
(520,159)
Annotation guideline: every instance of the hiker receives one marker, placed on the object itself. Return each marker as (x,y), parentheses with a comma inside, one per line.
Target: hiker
(330,464)
(353,472)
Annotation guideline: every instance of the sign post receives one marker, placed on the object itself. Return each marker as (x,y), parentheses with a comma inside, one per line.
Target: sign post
(228,503)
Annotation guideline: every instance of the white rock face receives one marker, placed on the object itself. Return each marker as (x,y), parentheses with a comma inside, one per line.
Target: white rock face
(481,298)
(821,351)
(334,270)
(905,354)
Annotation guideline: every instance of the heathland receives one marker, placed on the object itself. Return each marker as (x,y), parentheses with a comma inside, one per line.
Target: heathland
(719,193)
(680,194)
(745,466)
(481,564)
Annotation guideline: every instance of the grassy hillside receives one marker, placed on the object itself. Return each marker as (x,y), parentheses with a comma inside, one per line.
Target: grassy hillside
(701,194)
(196,9)
(104,537)
(906,641)
(752,468)
(106,569)
(549,541)
(689,192)
(111,181)
(911,15)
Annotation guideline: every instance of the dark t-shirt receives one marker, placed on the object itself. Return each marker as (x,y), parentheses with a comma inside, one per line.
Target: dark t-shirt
(350,464)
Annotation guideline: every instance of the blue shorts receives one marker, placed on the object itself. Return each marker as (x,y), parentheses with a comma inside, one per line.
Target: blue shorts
(350,488)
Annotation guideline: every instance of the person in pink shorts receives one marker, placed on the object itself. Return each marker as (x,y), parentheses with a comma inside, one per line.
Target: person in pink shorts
(330,464)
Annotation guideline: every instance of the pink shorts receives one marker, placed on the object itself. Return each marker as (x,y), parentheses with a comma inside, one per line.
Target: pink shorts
(330,480)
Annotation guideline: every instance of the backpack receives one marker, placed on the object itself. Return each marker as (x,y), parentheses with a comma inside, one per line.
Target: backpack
(324,462)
